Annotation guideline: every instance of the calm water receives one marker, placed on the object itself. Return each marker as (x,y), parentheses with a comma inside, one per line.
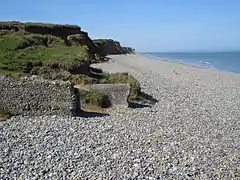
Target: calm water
(226,61)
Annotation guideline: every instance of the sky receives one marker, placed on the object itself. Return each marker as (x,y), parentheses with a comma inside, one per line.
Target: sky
(146,25)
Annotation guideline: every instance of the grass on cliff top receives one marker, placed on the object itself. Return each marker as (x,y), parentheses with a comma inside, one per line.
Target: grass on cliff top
(49,25)
(35,24)
(12,24)
(19,48)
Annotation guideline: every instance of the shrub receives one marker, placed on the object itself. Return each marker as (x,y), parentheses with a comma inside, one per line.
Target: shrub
(81,79)
(75,39)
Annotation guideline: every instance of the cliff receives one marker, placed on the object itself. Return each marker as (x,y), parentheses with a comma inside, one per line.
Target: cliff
(129,50)
(70,34)
(108,46)
(52,51)
(58,52)
(40,28)
(111,47)
(34,47)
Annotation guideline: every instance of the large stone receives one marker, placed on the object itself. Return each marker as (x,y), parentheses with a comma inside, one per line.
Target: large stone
(118,93)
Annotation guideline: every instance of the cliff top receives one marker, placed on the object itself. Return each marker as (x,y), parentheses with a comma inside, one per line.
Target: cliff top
(24,44)
(36,24)
(104,41)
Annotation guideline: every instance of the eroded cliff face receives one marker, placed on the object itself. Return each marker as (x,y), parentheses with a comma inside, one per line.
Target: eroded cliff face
(84,39)
(129,50)
(13,25)
(108,46)
(56,30)
(71,35)
(40,28)
(111,47)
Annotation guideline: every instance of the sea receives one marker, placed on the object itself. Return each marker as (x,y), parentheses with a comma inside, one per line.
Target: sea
(225,61)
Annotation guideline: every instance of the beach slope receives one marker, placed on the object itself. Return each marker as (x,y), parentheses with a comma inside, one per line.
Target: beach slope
(192,132)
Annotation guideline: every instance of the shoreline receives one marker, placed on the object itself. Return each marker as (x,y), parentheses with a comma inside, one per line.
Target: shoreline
(175,61)
(167,67)
(184,63)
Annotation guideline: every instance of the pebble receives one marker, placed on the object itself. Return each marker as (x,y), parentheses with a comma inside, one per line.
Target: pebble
(192,132)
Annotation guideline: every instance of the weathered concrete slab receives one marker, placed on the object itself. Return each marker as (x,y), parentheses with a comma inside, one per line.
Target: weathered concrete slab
(118,93)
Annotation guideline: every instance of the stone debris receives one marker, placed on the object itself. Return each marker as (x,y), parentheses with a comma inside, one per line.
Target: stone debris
(193,132)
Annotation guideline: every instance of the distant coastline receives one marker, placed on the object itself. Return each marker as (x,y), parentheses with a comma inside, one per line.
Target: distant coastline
(223,61)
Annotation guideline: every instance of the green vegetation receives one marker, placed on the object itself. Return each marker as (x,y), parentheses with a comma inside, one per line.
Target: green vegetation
(110,78)
(49,25)
(54,72)
(95,98)
(17,49)
(75,38)
(4,114)
(53,57)
(24,53)
(135,92)
(21,25)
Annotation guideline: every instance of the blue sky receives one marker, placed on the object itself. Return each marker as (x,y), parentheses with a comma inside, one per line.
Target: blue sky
(147,25)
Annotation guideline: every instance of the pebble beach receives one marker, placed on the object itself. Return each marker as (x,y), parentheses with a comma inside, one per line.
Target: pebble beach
(193,132)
